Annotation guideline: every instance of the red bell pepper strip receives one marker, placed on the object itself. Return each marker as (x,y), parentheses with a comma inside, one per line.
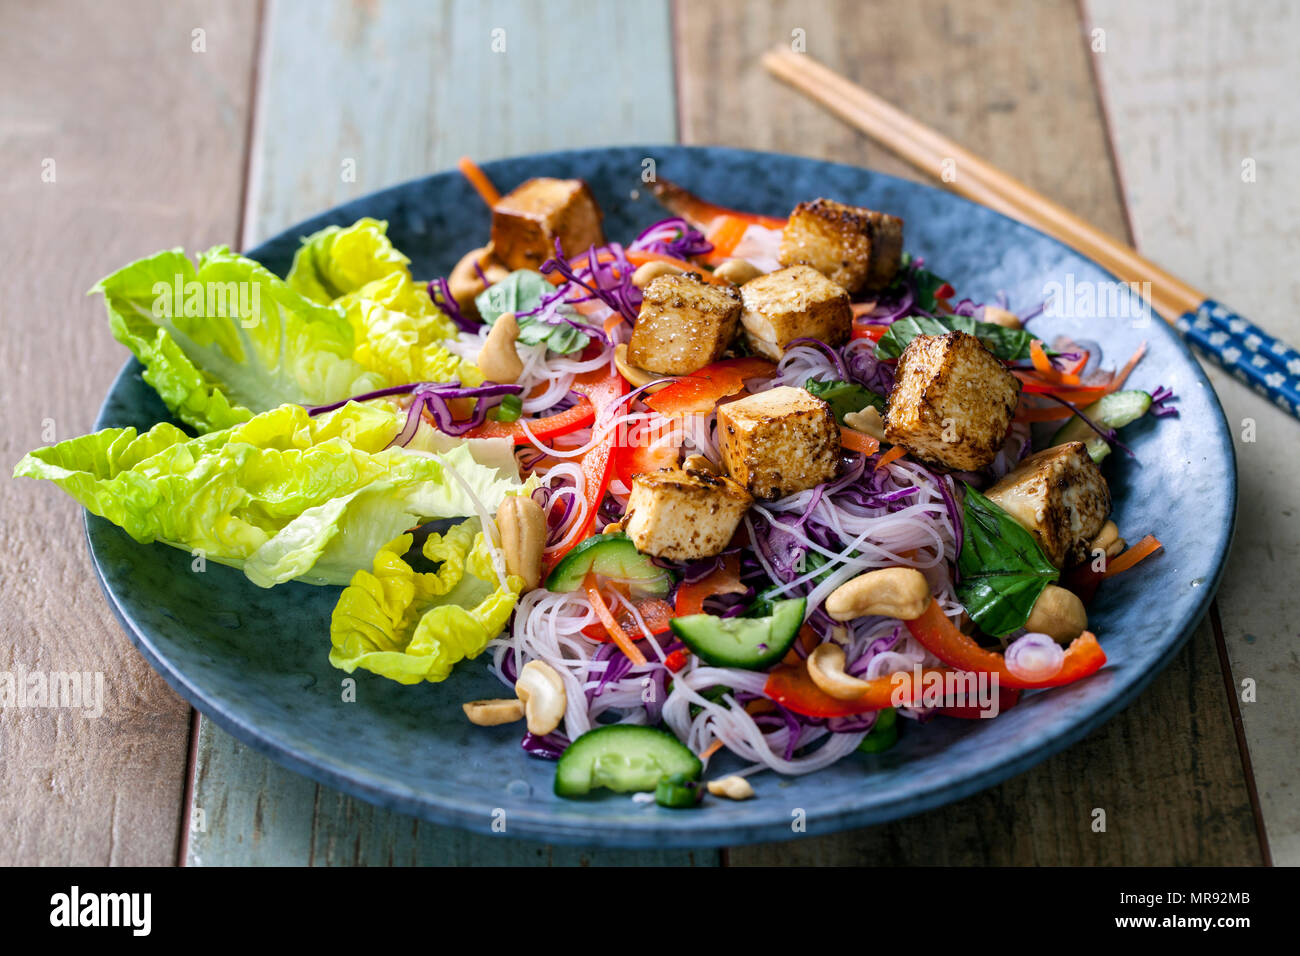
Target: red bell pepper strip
(725,580)
(646,450)
(654,611)
(616,633)
(677,659)
(553,426)
(701,391)
(791,686)
(1008,697)
(940,637)
(605,389)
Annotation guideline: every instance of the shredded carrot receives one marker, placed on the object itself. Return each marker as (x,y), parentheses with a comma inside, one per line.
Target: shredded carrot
(1148,546)
(616,633)
(856,441)
(711,749)
(478,179)
(895,453)
(760,705)
(1123,373)
(1040,359)
(725,235)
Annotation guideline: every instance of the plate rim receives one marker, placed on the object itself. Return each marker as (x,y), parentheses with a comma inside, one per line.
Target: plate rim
(538,824)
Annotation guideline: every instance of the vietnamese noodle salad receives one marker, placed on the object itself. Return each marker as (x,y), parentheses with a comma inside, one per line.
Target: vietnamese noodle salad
(747,484)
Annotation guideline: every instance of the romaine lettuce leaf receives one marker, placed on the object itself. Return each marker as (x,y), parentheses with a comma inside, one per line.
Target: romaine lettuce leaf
(413,626)
(395,322)
(284,496)
(228,339)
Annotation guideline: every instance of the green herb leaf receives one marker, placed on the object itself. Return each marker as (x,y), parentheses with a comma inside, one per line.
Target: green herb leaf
(1003,570)
(1007,344)
(523,291)
(924,283)
(844,398)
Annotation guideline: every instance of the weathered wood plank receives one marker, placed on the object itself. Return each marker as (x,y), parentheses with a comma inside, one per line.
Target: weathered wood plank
(393,90)
(101,166)
(1206,127)
(1012,83)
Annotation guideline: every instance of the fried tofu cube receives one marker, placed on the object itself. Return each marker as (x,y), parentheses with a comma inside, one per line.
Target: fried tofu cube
(1060,496)
(681,515)
(779,442)
(794,303)
(854,247)
(952,401)
(527,221)
(684,324)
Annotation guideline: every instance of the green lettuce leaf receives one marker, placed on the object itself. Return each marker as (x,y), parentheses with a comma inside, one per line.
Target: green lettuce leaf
(395,322)
(414,626)
(1003,569)
(283,496)
(228,339)
(338,260)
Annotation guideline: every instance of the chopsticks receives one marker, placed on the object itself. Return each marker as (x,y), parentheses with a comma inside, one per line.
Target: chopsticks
(1253,356)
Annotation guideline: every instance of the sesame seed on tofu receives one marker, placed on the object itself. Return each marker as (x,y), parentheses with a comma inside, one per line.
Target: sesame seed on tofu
(1060,496)
(794,303)
(854,247)
(682,515)
(527,221)
(684,324)
(779,442)
(952,401)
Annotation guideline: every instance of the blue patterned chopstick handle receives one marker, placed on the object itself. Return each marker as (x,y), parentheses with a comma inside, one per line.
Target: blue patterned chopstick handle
(1268,365)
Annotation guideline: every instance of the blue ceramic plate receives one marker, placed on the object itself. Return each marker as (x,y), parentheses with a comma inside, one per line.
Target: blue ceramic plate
(254,660)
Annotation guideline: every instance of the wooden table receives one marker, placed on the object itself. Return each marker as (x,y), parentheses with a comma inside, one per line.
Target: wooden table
(128,127)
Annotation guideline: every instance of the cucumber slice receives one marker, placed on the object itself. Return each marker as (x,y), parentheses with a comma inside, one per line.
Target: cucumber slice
(883,735)
(624,758)
(753,643)
(1110,411)
(614,556)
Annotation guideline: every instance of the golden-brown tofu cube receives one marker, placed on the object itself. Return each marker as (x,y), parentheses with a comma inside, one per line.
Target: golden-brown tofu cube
(1060,496)
(682,515)
(794,303)
(527,221)
(854,247)
(779,441)
(685,323)
(952,401)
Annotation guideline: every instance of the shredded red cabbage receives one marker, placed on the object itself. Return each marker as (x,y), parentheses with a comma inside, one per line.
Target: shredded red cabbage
(550,747)
(672,237)
(609,281)
(434,396)
(1161,403)
(440,292)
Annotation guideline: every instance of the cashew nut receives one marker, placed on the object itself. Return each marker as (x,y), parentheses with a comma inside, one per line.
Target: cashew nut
(737,271)
(523,537)
(996,315)
(867,421)
(637,376)
(542,691)
(1059,614)
(647,273)
(733,788)
(826,668)
(699,465)
(490,713)
(464,281)
(614,527)
(498,360)
(901,593)
(1108,540)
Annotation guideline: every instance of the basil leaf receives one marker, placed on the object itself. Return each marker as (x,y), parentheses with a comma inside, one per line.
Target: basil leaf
(523,291)
(924,284)
(844,398)
(1007,344)
(1003,570)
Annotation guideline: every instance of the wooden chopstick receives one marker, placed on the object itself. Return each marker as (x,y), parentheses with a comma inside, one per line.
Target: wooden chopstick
(979,181)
